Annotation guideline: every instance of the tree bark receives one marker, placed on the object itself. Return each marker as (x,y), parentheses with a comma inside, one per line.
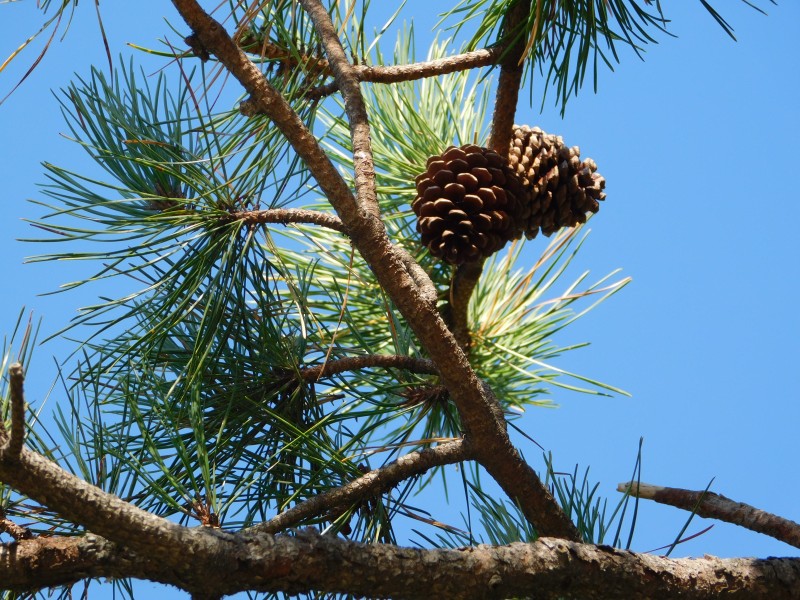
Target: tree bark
(307,561)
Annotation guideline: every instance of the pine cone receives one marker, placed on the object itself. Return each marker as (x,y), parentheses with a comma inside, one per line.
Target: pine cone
(561,189)
(468,204)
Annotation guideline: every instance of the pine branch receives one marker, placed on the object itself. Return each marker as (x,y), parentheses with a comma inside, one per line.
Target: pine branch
(42,562)
(346,79)
(287,59)
(306,562)
(715,506)
(418,70)
(480,415)
(354,363)
(371,484)
(73,499)
(462,285)
(265,99)
(16,531)
(511,71)
(290,215)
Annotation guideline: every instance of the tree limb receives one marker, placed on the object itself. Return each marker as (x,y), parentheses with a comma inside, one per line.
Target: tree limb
(511,71)
(105,514)
(264,99)
(715,506)
(462,285)
(16,531)
(307,561)
(35,564)
(371,484)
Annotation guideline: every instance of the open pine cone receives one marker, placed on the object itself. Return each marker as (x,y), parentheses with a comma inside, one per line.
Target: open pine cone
(469,204)
(561,188)
(471,201)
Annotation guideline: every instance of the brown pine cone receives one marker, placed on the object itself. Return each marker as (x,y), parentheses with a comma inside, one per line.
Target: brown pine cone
(468,204)
(561,189)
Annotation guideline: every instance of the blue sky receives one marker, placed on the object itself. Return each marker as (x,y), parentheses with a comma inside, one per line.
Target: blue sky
(697,144)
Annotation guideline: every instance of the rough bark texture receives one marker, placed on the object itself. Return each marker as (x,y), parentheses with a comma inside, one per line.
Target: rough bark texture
(306,561)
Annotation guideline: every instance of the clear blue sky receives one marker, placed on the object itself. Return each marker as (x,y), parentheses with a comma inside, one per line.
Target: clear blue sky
(697,144)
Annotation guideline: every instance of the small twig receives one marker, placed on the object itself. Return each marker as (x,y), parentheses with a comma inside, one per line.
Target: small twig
(715,506)
(352,363)
(271,51)
(290,215)
(375,74)
(11,446)
(371,484)
(346,79)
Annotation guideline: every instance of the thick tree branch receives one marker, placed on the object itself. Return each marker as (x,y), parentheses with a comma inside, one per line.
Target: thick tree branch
(371,484)
(34,564)
(353,363)
(479,418)
(290,215)
(715,506)
(345,77)
(306,561)
(105,514)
